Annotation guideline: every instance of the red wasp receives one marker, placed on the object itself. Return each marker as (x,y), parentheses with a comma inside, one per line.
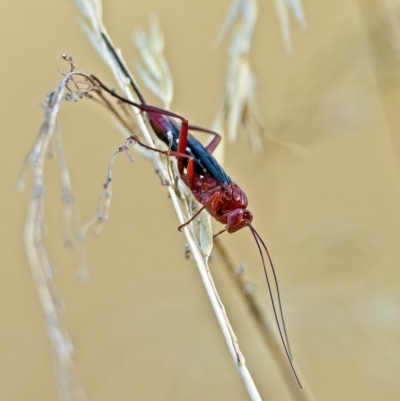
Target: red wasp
(209,183)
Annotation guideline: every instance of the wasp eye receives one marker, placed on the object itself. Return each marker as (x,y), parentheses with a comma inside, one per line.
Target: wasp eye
(247,215)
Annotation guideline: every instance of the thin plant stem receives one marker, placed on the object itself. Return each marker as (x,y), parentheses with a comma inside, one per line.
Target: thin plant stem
(268,331)
(102,42)
(42,270)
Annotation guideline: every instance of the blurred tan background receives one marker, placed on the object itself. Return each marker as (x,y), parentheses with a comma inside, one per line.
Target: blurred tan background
(142,327)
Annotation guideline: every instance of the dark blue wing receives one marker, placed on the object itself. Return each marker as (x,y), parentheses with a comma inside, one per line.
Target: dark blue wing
(204,162)
(200,154)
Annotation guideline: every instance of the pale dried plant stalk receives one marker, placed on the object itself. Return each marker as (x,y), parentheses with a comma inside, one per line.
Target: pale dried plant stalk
(41,267)
(268,330)
(199,252)
(74,86)
(104,201)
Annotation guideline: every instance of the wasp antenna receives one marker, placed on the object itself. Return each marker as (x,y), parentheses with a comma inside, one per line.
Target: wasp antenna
(277,291)
(114,94)
(284,337)
(118,59)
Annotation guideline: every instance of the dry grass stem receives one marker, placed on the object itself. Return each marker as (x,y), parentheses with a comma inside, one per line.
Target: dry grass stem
(200,254)
(41,267)
(71,215)
(74,86)
(104,202)
(267,329)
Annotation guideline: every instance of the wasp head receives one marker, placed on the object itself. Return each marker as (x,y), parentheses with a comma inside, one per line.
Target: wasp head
(237,219)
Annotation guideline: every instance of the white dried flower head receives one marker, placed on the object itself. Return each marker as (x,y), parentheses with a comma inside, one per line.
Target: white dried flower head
(237,109)
(237,104)
(155,73)
(283,7)
(246,12)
